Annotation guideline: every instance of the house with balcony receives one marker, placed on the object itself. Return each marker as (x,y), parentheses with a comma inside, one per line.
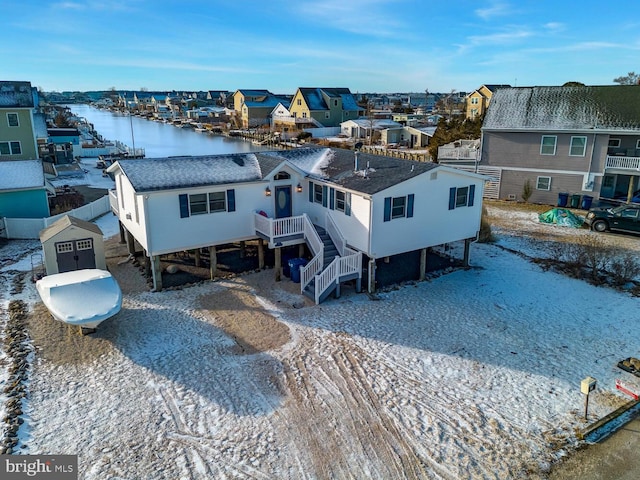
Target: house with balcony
(477,102)
(17,133)
(324,107)
(349,211)
(582,140)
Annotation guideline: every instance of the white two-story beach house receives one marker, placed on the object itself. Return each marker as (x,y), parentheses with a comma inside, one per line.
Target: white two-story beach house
(345,207)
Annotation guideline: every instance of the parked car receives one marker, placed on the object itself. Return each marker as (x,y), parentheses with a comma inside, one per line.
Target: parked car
(625,218)
(635,198)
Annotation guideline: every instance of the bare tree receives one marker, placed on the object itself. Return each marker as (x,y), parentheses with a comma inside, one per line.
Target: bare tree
(632,78)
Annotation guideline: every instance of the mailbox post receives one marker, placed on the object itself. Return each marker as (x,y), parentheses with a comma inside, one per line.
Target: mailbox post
(587,386)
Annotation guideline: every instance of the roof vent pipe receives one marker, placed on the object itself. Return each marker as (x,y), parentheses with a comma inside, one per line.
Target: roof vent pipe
(355,158)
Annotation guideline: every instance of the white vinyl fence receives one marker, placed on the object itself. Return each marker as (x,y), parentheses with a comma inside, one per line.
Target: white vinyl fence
(29,228)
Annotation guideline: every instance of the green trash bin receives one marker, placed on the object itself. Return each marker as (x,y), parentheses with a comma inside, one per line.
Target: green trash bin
(575,201)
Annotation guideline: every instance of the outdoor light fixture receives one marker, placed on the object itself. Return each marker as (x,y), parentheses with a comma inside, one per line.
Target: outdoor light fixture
(267,192)
(299,188)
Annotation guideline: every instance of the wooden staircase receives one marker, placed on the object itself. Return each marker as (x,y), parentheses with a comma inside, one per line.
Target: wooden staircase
(336,268)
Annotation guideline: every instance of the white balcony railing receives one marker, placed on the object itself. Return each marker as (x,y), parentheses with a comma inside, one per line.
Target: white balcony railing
(623,163)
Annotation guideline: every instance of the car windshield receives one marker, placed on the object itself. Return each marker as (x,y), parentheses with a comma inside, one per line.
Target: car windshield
(618,209)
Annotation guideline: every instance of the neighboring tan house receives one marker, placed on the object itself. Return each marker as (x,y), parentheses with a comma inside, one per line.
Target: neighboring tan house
(342,205)
(254,107)
(582,140)
(23,190)
(17,135)
(478,100)
(324,107)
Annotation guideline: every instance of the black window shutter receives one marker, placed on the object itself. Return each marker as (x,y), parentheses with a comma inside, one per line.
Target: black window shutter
(231,200)
(311,192)
(387,209)
(184,205)
(472,192)
(410,205)
(347,203)
(324,195)
(332,200)
(452,198)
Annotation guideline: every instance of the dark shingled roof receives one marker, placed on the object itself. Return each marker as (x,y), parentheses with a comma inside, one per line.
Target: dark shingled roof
(330,165)
(314,98)
(613,107)
(338,166)
(15,95)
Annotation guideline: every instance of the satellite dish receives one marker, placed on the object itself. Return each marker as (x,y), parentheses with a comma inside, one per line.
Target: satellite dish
(358,146)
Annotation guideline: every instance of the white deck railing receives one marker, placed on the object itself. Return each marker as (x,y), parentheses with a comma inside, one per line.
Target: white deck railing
(457,153)
(279,227)
(625,163)
(340,267)
(336,237)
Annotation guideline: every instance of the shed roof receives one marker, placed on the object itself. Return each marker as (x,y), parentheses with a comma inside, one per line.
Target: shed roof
(15,95)
(611,107)
(21,175)
(331,165)
(65,222)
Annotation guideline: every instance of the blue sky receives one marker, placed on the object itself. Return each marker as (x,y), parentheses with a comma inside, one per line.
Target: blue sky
(365,45)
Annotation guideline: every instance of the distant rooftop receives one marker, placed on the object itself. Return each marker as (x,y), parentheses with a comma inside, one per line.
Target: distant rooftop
(16,95)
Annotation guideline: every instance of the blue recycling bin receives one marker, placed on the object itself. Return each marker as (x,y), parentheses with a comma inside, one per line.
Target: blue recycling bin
(562,199)
(294,268)
(586,202)
(286,270)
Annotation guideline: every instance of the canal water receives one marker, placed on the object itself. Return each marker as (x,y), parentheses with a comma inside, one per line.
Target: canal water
(159,139)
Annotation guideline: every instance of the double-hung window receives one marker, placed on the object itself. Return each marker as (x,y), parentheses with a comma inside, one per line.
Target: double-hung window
(461,197)
(543,183)
(398,207)
(217,202)
(548,145)
(12,120)
(340,201)
(317,193)
(10,148)
(578,146)
(203,203)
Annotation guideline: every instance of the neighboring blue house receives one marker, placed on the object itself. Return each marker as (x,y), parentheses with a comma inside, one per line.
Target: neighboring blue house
(23,191)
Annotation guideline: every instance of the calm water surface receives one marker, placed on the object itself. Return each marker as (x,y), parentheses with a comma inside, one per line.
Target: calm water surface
(159,139)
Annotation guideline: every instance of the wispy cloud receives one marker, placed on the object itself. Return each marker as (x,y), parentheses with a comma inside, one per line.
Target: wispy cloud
(364,17)
(554,26)
(496,9)
(69,6)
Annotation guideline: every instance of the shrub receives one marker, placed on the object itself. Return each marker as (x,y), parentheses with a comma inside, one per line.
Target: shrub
(485,235)
(526,191)
(624,268)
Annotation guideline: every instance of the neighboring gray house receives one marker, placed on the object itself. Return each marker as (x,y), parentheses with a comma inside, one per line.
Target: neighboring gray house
(579,140)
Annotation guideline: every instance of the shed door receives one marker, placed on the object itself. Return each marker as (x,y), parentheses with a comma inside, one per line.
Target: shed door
(75,255)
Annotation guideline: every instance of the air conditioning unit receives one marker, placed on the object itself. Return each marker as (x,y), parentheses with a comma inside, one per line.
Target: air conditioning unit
(511,196)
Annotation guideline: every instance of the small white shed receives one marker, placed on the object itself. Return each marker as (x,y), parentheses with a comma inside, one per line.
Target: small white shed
(72,244)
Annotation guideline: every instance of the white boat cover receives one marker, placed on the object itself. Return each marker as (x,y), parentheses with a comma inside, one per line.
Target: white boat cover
(81,297)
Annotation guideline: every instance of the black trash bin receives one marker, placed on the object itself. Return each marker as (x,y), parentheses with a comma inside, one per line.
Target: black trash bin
(575,201)
(586,202)
(562,199)
(294,267)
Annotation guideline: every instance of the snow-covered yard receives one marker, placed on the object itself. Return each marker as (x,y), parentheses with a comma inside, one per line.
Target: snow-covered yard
(472,374)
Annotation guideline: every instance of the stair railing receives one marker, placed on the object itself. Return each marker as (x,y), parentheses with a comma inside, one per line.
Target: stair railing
(309,271)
